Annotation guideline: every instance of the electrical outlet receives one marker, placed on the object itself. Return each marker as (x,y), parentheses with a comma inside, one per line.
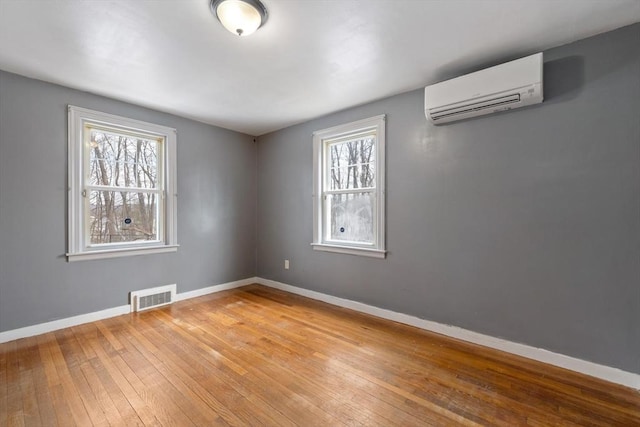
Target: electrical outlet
(286,264)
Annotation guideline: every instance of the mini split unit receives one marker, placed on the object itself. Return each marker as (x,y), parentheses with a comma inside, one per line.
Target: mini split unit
(507,86)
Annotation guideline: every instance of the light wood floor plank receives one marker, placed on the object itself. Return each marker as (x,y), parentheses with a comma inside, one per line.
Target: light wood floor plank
(201,362)
(15,410)
(382,361)
(259,356)
(109,374)
(279,348)
(52,381)
(386,358)
(202,406)
(27,364)
(42,391)
(4,386)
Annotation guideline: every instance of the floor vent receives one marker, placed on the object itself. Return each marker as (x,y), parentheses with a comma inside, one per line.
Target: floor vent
(153,297)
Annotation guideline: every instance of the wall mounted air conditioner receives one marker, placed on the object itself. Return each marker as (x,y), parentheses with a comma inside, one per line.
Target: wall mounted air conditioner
(503,87)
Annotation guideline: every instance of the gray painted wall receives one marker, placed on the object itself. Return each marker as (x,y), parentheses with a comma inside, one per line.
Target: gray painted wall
(523,225)
(216,209)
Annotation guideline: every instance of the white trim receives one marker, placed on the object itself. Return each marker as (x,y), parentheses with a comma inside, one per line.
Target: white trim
(349,128)
(351,250)
(114,253)
(607,373)
(78,248)
(43,328)
(216,288)
(320,137)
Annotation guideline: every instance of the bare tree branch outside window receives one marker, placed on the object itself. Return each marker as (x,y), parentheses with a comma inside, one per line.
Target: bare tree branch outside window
(352,167)
(124,207)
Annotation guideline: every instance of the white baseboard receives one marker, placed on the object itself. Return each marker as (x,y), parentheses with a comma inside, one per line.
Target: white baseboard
(43,328)
(54,325)
(216,288)
(607,373)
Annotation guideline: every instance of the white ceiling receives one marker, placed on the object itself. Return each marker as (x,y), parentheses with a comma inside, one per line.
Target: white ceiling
(311,58)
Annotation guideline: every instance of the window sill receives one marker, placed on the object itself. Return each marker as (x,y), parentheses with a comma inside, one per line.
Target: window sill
(350,250)
(121,252)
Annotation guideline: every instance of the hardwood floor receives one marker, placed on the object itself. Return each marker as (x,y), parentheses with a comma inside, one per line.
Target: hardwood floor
(257,356)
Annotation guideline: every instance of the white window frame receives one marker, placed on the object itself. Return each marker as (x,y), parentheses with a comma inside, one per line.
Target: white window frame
(321,140)
(78,242)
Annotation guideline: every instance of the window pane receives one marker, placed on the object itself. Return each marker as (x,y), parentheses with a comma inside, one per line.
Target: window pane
(351,217)
(122,160)
(116,216)
(351,164)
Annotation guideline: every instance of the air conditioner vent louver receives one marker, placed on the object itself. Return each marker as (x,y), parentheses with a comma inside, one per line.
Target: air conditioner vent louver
(154,297)
(475,106)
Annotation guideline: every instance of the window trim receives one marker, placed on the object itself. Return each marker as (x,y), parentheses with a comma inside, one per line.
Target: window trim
(77,248)
(320,139)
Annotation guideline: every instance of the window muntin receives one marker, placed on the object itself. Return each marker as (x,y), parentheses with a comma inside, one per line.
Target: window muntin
(349,188)
(122,175)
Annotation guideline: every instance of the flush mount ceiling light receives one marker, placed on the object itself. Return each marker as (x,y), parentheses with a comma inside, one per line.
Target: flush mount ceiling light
(241,17)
